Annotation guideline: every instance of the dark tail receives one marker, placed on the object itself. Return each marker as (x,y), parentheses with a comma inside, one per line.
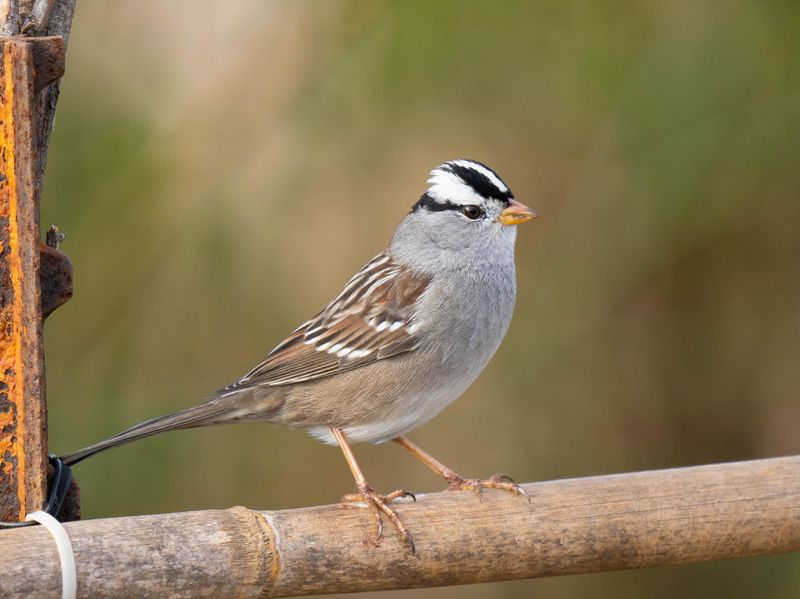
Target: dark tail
(215,411)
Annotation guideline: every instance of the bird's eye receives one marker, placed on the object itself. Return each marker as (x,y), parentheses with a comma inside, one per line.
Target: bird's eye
(472,212)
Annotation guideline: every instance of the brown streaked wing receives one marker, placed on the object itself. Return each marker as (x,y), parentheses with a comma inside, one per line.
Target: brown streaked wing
(369,320)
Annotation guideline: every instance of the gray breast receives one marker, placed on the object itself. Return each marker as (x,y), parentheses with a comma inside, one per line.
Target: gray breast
(468,315)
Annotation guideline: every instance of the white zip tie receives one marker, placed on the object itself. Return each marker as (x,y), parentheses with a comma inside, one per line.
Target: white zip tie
(69,577)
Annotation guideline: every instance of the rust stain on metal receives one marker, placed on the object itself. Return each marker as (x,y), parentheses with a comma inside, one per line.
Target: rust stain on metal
(12,460)
(55,278)
(48,55)
(23,420)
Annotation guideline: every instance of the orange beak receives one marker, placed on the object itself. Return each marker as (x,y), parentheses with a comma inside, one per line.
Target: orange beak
(516,214)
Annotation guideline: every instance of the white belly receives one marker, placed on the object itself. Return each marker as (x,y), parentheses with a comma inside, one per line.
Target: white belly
(412,413)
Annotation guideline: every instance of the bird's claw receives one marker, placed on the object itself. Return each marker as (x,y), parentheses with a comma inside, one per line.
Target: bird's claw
(388,498)
(380,506)
(502,482)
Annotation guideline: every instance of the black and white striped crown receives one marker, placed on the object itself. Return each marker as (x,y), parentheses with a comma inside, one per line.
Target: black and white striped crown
(461,183)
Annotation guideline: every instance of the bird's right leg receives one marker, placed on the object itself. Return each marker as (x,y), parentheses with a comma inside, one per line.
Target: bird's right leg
(379,503)
(455,480)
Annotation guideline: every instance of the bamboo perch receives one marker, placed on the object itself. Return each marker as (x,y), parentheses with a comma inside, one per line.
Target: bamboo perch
(570,526)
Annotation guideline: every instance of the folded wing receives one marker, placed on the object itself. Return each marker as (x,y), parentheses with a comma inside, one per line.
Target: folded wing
(371,319)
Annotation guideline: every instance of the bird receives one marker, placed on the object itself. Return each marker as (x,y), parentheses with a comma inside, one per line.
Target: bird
(404,338)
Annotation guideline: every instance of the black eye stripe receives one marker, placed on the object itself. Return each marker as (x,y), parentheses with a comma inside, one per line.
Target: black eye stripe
(432,205)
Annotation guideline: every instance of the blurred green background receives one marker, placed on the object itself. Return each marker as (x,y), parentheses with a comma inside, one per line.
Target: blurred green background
(222,170)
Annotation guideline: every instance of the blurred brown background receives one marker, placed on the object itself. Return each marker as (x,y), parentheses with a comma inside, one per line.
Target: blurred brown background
(222,169)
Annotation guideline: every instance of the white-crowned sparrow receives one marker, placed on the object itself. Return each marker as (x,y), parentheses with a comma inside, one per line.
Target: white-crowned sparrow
(404,338)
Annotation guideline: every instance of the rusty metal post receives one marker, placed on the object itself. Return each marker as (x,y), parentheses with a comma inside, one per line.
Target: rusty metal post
(27,66)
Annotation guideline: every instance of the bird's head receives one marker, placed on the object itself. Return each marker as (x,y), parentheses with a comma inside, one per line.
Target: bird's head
(467,207)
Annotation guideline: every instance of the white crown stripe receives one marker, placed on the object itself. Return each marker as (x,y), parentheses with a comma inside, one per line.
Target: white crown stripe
(484,171)
(448,187)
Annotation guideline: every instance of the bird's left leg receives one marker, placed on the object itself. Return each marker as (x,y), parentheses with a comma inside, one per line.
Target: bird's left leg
(455,480)
(380,503)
